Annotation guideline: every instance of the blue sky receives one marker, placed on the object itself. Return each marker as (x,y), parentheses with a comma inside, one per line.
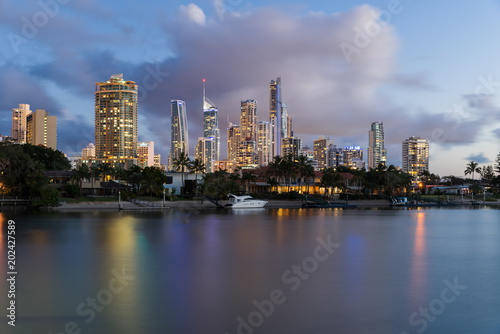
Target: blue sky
(428,69)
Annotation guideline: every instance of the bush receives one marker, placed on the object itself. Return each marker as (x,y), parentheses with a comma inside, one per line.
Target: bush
(125,196)
(72,190)
(48,197)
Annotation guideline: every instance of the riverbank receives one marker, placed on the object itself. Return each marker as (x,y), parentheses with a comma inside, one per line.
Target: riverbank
(198,205)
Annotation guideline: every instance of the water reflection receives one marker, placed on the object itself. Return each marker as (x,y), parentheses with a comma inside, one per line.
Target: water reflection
(418,271)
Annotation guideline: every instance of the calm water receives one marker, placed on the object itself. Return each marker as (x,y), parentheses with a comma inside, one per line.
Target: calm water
(256,271)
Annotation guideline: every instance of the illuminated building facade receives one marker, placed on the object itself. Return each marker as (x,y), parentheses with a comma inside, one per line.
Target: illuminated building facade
(321,147)
(353,157)
(211,124)
(19,116)
(263,143)
(116,121)
(275,113)
(415,156)
(204,152)
(41,129)
(233,141)
(179,141)
(292,145)
(376,145)
(145,154)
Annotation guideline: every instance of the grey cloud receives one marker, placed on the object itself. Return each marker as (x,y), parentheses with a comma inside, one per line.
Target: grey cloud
(480,158)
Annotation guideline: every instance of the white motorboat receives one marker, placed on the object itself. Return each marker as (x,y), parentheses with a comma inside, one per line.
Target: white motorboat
(243,202)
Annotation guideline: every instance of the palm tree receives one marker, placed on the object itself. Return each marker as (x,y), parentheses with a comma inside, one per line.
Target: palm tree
(105,169)
(182,163)
(94,171)
(272,182)
(332,179)
(472,167)
(304,169)
(197,166)
(134,176)
(80,173)
(247,178)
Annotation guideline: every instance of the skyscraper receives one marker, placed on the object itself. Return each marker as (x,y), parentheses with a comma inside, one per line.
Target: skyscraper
(376,146)
(415,156)
(321,147)
(179,142)
(291,145)
(41,129)
(248,120)
(204,152)
(263,143)
(116,121)
(19,115)
(211,124)
(145,154)
(275,114)
(233,141)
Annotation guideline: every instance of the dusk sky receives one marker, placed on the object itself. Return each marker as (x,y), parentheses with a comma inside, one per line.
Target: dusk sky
(425,68)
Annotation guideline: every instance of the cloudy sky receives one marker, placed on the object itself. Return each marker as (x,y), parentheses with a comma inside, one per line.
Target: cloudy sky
(425,68)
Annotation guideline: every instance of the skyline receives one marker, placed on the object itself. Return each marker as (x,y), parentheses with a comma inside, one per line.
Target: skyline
(410,79)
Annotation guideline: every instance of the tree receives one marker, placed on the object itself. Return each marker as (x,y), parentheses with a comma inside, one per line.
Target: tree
(248,178)
(472,167)
(182,163)
(133,176)
(79,174)
(487,173)
(305,170)
(218,185)
(197,166)
(497,165)
(152,181)
(22,167)
(332,179)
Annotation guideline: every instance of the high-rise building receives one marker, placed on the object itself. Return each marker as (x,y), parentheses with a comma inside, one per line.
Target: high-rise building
(335,156)
(233,141)
(19,115)
(41,129)
(157,160)
(211,123)
(205,152)
(415,156)
(275,114)
(145,154)
(376,146)
(321,147)
(263,143)
(289,129)
(248,120)
(291,145)
(284,122)
(179,142)
(116,121)
(246,157)
(88,154)
(353,157)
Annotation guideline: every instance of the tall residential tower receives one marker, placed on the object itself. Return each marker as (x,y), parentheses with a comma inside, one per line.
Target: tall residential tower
(179,142)
(211,124)
(376,146)
(415,156)
(19,115)
(116,121)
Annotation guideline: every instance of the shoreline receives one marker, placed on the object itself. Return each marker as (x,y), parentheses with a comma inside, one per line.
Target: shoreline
(272,204)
